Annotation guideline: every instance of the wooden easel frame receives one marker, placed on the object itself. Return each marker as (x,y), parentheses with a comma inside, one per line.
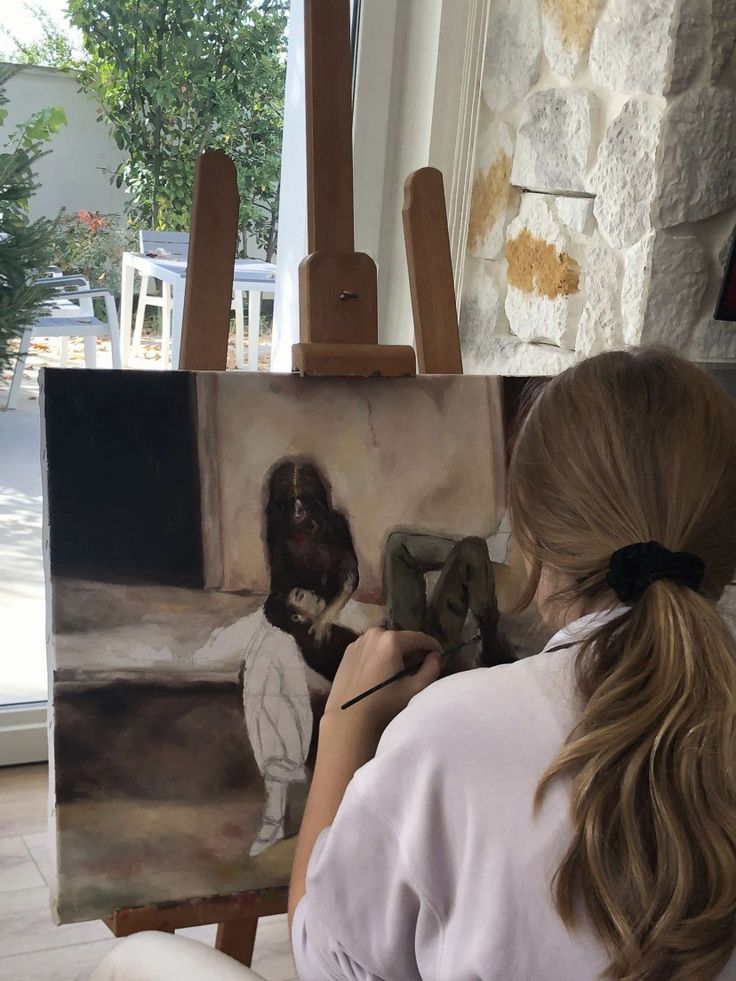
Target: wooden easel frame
(338,332)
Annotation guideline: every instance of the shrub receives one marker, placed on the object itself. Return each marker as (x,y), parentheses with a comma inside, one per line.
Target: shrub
(92,244)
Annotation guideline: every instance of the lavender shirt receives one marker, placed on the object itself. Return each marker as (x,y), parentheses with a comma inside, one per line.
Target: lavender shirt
(434,867)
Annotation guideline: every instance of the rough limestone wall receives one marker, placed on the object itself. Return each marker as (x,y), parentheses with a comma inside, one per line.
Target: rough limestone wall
(604,192)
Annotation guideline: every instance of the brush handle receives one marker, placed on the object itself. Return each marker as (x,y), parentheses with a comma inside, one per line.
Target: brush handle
(404,673)
(382,684)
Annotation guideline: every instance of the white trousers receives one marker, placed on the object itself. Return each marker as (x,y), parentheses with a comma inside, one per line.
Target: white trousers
(154,956)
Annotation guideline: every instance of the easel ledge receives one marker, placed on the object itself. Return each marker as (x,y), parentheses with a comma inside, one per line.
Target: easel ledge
(354,360)
(236,914)
(338,331)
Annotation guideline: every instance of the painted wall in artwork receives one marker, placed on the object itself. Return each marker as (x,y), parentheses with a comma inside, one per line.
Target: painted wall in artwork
(366,439)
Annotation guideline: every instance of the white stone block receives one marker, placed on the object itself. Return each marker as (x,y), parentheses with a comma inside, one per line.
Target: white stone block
(690,44)
(623,178)
(480,312)
(513,52)
(723,35)
(539,319)
(713,340)
(554,141)
(567,28)
(698,156)
(493,197)
(507,355)
(576,213)
(600,327)
(543,301)
(631,48)
(665,278)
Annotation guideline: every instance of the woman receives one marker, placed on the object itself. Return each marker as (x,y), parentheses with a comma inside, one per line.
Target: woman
(573,815)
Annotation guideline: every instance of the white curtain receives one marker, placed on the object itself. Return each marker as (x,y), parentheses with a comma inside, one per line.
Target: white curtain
(292,239)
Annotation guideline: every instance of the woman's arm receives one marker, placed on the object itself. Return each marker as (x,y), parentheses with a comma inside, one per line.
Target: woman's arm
(348,739)
(339,755)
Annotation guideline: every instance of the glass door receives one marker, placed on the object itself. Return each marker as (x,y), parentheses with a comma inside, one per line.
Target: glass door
(131,183)
(23,680)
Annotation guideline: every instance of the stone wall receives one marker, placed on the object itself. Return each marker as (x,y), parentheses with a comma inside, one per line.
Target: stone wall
(604,192)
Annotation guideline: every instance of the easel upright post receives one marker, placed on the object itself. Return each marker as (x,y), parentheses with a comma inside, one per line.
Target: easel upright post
(338,288)
(209,286)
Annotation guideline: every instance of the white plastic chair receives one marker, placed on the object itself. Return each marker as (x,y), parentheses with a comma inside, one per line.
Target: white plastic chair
(175,245)
(71,314)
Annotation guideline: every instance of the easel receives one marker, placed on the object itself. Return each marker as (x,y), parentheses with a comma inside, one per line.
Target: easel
(338,331)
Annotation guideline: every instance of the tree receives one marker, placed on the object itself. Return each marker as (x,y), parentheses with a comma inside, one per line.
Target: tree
(24,245)
(174,78)
(55,49)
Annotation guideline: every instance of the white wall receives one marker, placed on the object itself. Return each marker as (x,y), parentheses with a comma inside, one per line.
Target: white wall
(410,112)
(292,237)
(76,173)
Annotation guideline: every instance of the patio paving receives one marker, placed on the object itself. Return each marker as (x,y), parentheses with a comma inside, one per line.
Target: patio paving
(22,590)
(22,603)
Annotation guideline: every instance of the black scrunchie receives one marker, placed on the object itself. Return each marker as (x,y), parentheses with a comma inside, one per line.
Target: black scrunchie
(634,567)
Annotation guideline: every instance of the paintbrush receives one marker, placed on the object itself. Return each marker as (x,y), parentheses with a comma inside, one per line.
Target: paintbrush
(412,669)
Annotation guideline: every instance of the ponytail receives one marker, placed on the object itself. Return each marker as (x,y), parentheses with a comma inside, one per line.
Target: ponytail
(641,447)
(653,854)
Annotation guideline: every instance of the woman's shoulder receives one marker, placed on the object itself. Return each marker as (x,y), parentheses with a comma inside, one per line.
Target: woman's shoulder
(528,701)
(465,740)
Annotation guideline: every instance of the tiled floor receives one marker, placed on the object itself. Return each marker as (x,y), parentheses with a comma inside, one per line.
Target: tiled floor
(32,948)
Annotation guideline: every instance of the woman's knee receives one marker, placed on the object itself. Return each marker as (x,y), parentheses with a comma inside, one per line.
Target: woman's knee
(135,958)
(153,956)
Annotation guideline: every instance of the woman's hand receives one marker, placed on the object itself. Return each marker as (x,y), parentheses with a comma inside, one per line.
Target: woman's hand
(373,658)
(348,738)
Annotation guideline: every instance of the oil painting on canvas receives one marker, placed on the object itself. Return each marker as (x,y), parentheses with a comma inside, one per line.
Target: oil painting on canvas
(215,541)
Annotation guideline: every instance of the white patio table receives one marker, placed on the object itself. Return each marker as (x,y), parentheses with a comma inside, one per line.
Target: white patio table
(251,276)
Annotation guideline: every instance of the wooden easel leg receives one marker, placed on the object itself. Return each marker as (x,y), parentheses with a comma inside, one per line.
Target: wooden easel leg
(237,938)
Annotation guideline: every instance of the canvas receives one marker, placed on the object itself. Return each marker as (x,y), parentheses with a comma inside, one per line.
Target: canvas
(215,541)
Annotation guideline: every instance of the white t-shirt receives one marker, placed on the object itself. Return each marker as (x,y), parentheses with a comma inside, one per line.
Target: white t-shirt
(435,867)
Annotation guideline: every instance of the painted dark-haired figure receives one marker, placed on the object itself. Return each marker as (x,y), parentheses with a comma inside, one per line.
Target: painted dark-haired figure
(296,614)
(309,543)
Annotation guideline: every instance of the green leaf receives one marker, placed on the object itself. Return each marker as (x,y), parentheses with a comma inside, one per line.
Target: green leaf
(174,77)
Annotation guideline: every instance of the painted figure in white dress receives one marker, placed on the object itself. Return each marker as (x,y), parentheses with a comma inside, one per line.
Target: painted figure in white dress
(276,703)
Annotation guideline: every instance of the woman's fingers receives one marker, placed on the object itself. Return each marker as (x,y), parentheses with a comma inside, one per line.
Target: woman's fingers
(410,640)
(429,671)
(374,658)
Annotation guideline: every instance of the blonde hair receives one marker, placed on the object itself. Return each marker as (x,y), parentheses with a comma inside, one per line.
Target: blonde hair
(626,448)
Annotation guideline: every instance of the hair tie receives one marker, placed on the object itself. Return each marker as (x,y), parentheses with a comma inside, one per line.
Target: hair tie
(633,567)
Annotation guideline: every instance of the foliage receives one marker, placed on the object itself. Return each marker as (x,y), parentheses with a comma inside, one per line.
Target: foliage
(92,244)
(25,246)
(55,48)
(174,78)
